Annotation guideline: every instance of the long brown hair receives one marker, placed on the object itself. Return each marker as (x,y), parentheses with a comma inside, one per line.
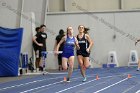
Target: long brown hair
(85,29)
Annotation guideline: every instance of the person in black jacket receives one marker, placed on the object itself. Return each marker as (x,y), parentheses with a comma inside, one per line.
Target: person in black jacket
(57,40)
(36,47)
(40,40)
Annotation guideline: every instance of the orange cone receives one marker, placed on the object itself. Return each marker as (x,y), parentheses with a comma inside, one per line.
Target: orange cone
(97,77)
(129,76)
(65,79)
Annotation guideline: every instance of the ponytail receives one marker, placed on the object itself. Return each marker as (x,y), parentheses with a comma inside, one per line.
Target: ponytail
(86,30)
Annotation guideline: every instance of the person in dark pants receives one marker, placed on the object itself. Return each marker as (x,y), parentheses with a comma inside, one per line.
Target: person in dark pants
(40,40)
(57,40)
(36,48)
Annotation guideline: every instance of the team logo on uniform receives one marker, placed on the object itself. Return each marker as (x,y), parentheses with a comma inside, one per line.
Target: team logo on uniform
(82,41)
(71,43)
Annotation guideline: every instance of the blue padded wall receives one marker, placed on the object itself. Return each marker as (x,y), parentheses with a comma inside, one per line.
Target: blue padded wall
(10,46)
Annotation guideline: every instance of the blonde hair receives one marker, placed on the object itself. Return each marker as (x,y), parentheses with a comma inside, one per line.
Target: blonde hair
(68,29)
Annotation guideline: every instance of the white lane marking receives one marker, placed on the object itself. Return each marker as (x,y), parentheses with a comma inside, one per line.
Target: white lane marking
(138,91)
(128,89)
(41,87)
(131,88)
(110,85)
(80,85)
(23,84)
(47,85)
(44,73)
(94,85)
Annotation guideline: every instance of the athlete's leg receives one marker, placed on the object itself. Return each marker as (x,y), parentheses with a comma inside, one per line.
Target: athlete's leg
(71,64)
(86,62)
(138,65)
(64,63)
(81,63)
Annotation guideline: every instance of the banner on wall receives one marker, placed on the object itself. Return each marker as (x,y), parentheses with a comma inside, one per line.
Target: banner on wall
(10,46)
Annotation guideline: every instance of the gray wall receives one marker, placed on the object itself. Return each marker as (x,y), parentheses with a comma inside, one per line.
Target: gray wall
(11,11)
(9,17)
(93,5)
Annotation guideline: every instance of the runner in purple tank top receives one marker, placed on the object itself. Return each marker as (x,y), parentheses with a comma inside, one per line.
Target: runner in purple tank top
(68,51)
